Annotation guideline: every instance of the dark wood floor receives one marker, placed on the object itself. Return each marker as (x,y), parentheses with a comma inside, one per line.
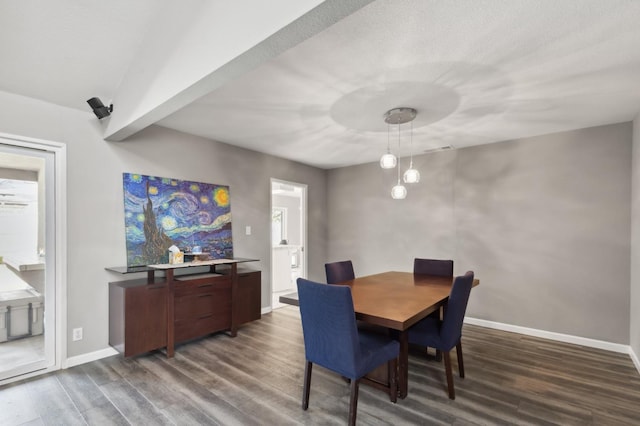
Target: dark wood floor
(256,379)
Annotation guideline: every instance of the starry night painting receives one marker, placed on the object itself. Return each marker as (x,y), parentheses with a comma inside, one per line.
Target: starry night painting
(161,212)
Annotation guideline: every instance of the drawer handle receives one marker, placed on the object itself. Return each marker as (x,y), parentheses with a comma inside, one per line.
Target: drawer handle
(204,295)
(205,316)
(204,285)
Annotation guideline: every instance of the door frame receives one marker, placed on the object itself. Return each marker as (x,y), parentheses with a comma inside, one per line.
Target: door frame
(304,215)
(59,151)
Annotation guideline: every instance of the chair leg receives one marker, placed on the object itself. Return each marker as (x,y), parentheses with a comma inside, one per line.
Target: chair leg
(460,361)
(307,385)
(438,355)
(447,366)
(393,380)
(353,405)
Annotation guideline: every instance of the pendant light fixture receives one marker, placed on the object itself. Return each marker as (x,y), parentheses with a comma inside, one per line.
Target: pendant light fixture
(400,116)
(388,160)
(411,175)
(399,192)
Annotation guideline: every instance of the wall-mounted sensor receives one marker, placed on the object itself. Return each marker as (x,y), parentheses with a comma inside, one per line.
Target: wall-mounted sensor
(99,109)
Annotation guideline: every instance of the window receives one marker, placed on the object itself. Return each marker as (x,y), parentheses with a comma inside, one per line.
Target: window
(278,225)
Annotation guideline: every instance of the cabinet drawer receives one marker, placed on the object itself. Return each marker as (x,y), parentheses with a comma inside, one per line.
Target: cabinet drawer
(198,305)
(202,309)
(186,288)
(190,329)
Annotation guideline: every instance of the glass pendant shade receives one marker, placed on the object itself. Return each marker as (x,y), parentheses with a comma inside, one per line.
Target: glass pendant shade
(411,175)
(398,192)
(388,161)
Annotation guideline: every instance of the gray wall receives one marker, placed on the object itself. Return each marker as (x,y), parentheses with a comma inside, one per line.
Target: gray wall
(635,242)
(95,234)
(544,222)
(378,233)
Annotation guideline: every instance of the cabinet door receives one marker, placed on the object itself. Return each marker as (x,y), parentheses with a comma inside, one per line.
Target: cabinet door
(145,319)
(249,296)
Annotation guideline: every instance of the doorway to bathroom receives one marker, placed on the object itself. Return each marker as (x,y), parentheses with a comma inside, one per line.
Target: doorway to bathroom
(288,237)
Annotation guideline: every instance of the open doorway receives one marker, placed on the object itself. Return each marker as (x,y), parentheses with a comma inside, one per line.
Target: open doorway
(288,237)
(29,259)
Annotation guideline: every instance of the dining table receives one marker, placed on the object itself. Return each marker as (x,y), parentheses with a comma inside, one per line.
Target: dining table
(396,301)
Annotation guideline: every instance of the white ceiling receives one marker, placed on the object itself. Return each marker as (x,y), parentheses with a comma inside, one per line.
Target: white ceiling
(67,51)
(476,71)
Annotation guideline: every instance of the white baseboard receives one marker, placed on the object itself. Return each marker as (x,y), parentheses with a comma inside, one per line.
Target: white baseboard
(567,338)
(266,310)
(91,356)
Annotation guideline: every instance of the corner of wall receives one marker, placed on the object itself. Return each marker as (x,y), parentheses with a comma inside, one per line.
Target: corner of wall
(634,299)
(634,358)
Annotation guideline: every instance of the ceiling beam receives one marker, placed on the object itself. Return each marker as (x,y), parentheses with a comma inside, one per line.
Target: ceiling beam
(197,46)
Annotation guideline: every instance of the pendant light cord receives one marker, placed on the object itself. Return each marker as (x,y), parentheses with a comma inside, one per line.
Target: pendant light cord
(398,151)
(411,144)
(388,139)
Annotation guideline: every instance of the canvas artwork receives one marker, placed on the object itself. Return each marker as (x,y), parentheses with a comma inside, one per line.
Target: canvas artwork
(161,212)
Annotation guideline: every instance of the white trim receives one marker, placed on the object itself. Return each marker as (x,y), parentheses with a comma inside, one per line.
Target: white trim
(61,254)
(266,310)
(304,233)
(24,376)
(634,358)
(33,142)
(567,338)
(89,357)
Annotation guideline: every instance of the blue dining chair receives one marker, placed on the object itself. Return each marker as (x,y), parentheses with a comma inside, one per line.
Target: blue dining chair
(338,272)
(446,334)
(332,340)
(441,268)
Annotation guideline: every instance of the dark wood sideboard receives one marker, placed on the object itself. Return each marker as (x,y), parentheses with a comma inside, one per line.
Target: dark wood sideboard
(152,313)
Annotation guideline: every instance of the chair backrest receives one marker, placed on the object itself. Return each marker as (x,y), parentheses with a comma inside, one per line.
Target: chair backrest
(329,326)
(451,329)
(338,272)
(441,268)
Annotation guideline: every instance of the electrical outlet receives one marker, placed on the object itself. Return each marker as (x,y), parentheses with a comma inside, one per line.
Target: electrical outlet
(77,334)
(247,230)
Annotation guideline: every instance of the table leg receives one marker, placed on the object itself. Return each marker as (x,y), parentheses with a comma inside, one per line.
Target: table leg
(403,364)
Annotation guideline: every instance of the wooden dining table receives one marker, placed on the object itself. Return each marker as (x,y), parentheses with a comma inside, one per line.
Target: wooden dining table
(396,301)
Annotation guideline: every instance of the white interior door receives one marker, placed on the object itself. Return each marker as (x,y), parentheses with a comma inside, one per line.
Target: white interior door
(28,272)
(288,237)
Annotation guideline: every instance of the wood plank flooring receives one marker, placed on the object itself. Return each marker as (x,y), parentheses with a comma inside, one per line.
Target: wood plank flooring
(256,379)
